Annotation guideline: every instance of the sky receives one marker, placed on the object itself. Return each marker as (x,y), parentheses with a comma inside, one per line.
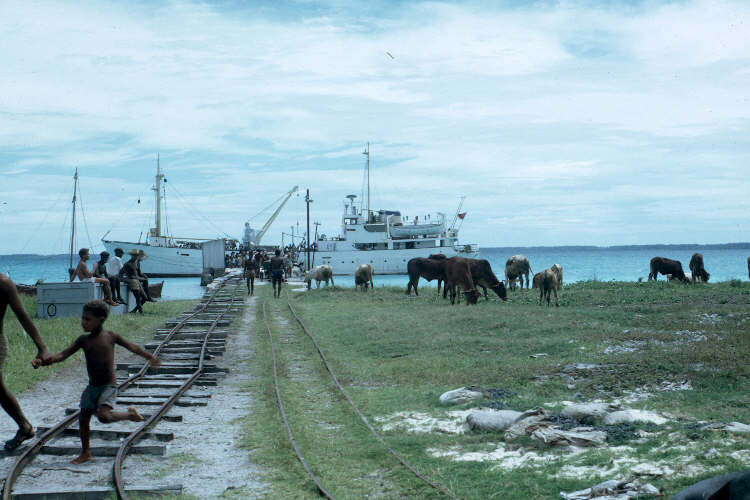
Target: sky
(562,123)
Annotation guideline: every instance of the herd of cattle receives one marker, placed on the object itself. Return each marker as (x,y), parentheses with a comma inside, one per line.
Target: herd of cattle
(461,275)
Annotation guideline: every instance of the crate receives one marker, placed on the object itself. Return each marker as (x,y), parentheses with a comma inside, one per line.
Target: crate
(60,300)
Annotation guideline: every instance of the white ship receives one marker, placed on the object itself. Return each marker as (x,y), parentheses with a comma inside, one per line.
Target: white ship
(386,239)
(165,255)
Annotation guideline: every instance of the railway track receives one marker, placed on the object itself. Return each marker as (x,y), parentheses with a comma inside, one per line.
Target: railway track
(185,348)
(280,402)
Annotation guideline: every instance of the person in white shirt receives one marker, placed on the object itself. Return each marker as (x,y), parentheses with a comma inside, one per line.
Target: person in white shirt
(114,265)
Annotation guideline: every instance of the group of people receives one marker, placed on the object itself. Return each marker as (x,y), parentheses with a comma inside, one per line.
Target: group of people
(111,272)
(259,265)
(98,346)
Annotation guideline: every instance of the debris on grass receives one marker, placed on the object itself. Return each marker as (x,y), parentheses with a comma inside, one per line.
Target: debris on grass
(631,415)
(416,422)
(614,489)
(460,396)
(486,419)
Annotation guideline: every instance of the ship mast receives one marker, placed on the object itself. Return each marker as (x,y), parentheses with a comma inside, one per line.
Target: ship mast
(157,189)
(366,152)
(73,225)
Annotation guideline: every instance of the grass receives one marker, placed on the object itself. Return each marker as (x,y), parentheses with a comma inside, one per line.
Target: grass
(59,333)
(399,354)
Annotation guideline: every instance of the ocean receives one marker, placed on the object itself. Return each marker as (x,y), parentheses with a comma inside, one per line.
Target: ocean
(622,263)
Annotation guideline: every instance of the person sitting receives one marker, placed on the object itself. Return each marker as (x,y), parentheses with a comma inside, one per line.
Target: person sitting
(100,271)
(129,273)
(114,266)
(143,278)
(83,274)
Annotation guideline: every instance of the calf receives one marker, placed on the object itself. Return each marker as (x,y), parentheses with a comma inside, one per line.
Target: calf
(548,285)
(429,269)
(697,270)
(666,266)
(458,277)
(363,277)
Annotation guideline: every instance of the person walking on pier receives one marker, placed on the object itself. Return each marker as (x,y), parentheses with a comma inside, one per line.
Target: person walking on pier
(9,297)
(277,273)
(100,395)
(249,266)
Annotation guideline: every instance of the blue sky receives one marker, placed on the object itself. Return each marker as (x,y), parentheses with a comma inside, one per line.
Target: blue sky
(563,123)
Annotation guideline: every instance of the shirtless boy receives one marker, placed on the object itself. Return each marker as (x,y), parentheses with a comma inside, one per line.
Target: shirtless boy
(277,273)
(100,395)
(249,265)
(9,297)
(83,274)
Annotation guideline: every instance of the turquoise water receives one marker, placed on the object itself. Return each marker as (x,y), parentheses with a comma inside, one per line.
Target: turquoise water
(724,262)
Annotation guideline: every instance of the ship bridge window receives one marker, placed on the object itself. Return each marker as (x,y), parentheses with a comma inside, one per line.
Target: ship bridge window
(350,221)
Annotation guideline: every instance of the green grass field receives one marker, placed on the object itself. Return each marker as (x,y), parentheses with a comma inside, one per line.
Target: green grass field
(606,341)
(61,332)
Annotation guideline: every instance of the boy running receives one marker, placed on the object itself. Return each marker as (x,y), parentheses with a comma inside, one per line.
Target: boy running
(100,395)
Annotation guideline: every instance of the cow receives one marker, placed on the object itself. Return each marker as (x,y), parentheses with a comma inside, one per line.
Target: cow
(699,272)
(319,273)
(547,285)
(429,269)
(517,267)
(537,281)
(363,277)
(558,270)
(482,275)
(458,277)
(666,266)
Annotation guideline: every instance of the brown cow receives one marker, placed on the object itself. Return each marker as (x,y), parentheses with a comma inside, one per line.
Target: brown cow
(458,277)
(666,266)
(517,267)
(482,274)
(429,269)
(697,270)
(363,277)
(548,284)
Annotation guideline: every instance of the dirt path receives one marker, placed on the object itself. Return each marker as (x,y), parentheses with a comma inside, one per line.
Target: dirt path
(205,457)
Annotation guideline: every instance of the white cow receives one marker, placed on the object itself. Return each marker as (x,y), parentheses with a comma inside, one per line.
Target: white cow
(319,273)
(363,277)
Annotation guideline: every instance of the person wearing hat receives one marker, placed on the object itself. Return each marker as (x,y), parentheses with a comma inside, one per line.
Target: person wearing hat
(129,273)
(142,277)
(100,271)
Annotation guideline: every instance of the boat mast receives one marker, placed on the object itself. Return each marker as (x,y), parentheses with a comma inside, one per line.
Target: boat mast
(73,225)
(366,152)
(157,189)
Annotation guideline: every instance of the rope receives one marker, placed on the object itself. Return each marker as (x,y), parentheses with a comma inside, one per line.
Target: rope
(377,435)
(192,209)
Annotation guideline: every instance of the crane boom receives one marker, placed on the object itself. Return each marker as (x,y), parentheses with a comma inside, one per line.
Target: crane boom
(274,215)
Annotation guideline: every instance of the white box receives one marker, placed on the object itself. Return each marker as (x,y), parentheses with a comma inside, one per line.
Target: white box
(60,300)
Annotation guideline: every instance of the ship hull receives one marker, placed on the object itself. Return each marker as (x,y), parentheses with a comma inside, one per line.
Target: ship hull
(345,262)
(162,261)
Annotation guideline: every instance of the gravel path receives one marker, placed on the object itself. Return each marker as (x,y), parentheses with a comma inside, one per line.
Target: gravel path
(205,457)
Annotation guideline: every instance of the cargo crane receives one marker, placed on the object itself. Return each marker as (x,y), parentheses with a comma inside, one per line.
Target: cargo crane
(253,237)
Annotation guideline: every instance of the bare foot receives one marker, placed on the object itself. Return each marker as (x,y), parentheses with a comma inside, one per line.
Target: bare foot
(133,415)
(85,456)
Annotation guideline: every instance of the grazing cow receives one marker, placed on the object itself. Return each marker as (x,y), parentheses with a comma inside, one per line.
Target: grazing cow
(319,273)
(429,269)
(558,270)
(458,277)
(516,268)
(548,285)
(666,266)
(696,268)
(363,277)
(482,274)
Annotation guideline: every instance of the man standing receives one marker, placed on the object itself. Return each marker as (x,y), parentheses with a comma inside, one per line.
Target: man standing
(277,273)
(9,297)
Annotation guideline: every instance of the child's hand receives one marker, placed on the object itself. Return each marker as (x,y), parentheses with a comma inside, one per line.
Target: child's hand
(155,362)
(42,359)
(36,363)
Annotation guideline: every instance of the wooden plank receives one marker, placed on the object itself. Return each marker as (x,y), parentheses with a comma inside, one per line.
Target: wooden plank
(104,450)
(111,435)
(166,418)
(93,493)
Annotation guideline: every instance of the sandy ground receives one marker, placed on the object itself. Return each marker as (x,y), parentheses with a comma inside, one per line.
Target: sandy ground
(205,457)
